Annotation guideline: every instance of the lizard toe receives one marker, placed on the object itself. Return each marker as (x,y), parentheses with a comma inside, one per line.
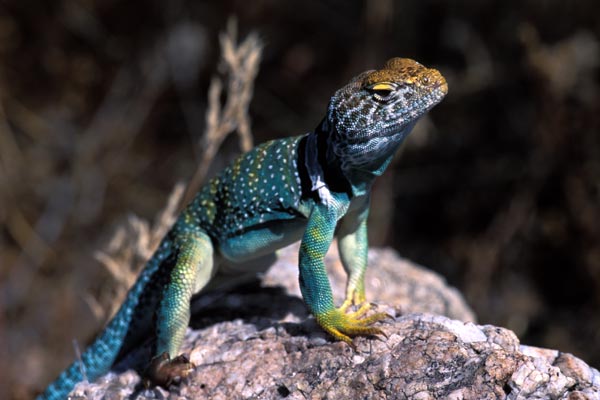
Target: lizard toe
(344,326)
(164,371)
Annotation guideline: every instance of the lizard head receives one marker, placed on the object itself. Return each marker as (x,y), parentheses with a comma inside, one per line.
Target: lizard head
(369,117)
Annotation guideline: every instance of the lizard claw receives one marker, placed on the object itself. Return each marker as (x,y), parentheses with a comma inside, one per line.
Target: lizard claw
(164,371)
(343,326)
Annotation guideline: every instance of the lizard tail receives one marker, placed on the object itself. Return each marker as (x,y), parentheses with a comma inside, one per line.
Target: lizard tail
(100,355)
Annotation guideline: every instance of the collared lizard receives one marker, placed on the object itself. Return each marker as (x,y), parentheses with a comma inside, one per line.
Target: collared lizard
(310,188)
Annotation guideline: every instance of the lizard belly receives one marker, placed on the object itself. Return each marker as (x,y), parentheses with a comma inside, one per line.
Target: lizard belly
(259,241)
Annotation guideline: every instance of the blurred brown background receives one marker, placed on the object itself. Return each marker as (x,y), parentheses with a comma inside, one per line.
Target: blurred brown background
(102,107)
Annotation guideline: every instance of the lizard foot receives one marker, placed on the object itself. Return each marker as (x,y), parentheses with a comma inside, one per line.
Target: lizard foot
(362,310)
(343,326)
(164,371)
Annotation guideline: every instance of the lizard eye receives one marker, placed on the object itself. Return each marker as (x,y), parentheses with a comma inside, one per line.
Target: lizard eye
(425,81)
(382,91)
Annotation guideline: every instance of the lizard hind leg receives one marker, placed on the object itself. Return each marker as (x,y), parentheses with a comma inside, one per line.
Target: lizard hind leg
(191,270)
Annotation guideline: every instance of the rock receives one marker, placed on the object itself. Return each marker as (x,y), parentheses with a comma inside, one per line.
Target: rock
(258,342)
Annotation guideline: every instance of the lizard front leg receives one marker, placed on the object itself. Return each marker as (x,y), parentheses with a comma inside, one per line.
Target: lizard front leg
(314,282)
(193,268)
(353,247)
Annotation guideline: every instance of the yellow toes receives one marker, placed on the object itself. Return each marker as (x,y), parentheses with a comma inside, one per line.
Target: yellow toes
(343,326)
(361,311)
(347,303)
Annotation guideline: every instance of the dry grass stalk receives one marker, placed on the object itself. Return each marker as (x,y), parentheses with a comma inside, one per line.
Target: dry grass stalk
(134,241)
(240,64)
(129,248)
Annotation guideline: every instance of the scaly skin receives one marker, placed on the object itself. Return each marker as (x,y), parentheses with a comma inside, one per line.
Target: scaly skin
(311,187)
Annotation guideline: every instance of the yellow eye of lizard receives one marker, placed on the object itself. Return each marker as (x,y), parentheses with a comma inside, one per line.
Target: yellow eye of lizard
(384,86)
(382,90)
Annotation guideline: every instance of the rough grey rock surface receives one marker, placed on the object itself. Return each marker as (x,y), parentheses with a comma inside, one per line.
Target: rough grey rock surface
(258,343)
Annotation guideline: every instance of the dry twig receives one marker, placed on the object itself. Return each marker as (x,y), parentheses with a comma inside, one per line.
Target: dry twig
(135,241)
(240,64)
(130,247)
